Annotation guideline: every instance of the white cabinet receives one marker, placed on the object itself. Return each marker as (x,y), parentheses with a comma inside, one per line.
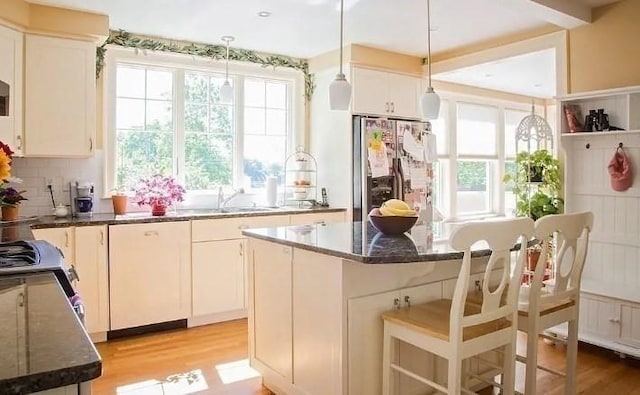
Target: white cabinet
(60,97)
(384,93)
(217,276)
(11,116)
(317,218)
(63,238)
(93,285)
(365,329)
(149,273)
(13,357)
(271,267)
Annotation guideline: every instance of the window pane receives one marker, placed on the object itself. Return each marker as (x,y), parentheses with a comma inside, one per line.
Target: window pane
(263,156)
(159,85)
(254,120)
(473,192)
(509,196)
(215,83)
(476,129)
(208,160)
(196,88)
(221,119)
(130,114)
(196,117)
(277,95)
(438,127)
(159,115)
(254,93)
(142,154)
(276,122)
(130,82)
(512,119)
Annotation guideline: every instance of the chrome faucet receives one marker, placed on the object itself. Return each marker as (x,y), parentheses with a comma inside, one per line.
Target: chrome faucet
(222,201)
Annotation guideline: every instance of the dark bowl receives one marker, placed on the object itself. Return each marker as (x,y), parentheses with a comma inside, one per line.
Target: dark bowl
(392,225)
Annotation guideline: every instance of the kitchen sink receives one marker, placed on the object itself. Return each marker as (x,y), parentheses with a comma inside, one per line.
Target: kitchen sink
(245,209)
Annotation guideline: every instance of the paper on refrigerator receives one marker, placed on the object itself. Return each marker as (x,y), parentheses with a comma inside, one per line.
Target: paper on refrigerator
(378,161)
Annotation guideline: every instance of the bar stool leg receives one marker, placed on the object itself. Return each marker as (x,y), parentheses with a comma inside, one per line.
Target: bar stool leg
(453,374)
(572,357)
(532,360)
(386,362)
(508,377)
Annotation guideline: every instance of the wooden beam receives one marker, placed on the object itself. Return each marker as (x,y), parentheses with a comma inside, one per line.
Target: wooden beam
(568,14)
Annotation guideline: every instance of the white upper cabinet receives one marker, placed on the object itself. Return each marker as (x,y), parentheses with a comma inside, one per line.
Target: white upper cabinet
(11,43)
(386,94)
(60,97)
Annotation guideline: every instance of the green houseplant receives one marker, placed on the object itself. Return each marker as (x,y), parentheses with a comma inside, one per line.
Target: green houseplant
(536,184)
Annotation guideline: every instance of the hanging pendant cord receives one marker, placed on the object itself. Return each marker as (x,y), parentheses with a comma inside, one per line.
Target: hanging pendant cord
(227,65)
(429,41)
(341,32)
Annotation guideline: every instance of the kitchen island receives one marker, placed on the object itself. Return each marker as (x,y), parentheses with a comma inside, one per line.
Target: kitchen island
(315,298)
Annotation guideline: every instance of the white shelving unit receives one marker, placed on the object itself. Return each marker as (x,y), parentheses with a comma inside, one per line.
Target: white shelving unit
(610,303)
(301,179)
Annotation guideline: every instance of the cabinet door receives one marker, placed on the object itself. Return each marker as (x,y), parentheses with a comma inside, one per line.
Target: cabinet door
(599,317)
(404,92)
(317,218)
(91,265)
(630,325)
(60,112)
(217,276)
(63,238)
(149,273)
(370,92)
(272,315)
(13,357)
(11,44)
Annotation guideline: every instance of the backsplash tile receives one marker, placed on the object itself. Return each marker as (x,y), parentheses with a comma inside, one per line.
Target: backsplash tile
(35,171)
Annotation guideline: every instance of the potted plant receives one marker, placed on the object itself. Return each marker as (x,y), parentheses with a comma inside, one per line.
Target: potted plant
(10,197)
(536,184)
(119,200)
(159,192)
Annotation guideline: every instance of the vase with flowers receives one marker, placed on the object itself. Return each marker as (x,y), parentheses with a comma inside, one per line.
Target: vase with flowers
(10,196)
(159,192)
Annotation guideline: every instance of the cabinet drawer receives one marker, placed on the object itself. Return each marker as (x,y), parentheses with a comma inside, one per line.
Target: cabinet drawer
(317,218)
(231,228)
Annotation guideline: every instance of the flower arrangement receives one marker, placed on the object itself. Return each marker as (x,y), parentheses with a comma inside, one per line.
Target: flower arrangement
(9,195)
(158,190)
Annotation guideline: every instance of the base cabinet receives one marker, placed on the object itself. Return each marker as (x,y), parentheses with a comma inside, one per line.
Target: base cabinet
(149,273)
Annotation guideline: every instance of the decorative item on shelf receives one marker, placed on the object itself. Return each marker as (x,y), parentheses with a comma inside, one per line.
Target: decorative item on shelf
(300,178)
(159,192)
(573,114)
(620,170)
(10,197)
(430,101)
(340,89)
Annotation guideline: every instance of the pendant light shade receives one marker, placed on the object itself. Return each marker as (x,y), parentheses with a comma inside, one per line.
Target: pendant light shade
(226,90)
(430,101)
(340,89)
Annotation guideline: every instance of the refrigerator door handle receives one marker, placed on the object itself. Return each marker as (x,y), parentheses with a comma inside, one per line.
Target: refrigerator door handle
(399,179)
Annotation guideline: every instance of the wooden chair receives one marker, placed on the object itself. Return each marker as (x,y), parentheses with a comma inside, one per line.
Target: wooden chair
(541,307)
(456,329)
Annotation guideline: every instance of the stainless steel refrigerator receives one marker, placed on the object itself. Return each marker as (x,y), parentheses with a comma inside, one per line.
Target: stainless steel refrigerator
(389,163)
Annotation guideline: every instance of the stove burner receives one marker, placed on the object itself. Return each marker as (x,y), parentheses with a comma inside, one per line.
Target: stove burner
(16,254)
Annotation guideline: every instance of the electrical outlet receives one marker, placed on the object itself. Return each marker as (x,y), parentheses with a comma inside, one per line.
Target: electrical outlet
(48,181)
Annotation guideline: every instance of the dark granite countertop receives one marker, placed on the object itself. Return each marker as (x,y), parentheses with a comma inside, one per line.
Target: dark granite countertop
(175,215)
(43,343)
(361,242)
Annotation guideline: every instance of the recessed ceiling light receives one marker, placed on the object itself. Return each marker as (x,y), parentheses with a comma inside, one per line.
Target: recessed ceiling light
(488,75)
(264,14)
(537,85)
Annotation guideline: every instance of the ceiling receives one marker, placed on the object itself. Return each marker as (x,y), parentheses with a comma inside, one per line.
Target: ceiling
(306,28)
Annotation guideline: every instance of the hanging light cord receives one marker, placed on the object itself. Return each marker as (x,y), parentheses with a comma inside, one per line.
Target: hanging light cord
(429,41)
(341,33)
(227,65)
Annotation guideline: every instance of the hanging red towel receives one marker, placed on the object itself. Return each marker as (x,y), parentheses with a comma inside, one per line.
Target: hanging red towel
(620,171)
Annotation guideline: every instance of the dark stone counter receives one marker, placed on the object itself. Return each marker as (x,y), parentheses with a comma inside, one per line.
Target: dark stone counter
(43,343)
(361,242)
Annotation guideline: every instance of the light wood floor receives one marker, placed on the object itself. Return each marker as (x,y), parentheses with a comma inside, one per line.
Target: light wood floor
(197,361)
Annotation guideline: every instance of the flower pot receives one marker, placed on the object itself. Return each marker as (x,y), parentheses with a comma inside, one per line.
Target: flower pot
(10,213)
(532,259)
(535,174)
(119,204)
(158,210)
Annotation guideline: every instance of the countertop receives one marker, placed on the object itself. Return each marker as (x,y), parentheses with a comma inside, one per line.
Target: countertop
(43,343)
(361,242)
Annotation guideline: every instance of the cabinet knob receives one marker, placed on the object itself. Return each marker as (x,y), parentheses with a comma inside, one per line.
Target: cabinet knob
(90,145)
(151,233)
(386,106)
(407,300)
(393,107)
(396,303)
(19,142)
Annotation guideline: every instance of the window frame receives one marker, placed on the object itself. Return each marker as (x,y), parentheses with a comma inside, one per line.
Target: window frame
(180,65)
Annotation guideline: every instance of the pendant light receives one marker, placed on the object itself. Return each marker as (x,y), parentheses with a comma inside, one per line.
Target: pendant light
(340,89)
(430,101)
(226,90)
(534,129)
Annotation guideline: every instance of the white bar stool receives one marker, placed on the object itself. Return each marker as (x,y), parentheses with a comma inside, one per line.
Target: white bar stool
(456,329)
(539,307)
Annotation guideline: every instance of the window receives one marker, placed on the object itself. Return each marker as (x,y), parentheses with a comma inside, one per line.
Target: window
(476,147)
(169,119)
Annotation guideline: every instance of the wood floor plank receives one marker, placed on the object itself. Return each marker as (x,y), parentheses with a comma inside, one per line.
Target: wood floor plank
(192,361)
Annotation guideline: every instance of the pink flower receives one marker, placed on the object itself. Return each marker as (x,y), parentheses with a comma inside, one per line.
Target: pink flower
(158,190)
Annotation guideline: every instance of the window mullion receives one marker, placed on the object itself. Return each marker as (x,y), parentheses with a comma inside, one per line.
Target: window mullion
(452,194)
(179,132)
(238,146)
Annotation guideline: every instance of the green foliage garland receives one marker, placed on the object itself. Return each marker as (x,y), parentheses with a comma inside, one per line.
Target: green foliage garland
(218,52)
